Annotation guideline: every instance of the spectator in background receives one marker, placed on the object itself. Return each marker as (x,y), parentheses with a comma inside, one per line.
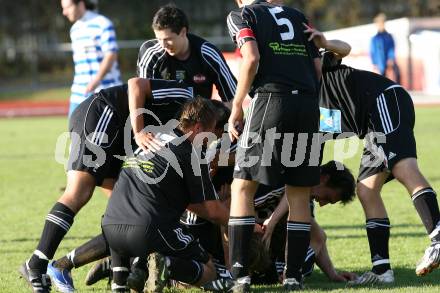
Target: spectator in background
(382,50)
(94,50)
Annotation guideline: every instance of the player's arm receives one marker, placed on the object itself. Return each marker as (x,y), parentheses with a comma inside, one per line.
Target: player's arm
(139,90)
(244,37)
(318,242)
(204,200)
(110,48)
(340,48)
(104,67)
(248,70)
(270,223)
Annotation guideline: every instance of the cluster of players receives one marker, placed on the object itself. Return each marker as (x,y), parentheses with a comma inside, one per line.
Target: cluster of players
(186,202)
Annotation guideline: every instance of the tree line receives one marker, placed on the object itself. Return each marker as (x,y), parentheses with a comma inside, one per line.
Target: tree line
(31,29)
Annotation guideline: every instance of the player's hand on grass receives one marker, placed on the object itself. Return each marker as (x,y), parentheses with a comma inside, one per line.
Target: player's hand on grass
(235,122)
(315,35)
(147,142)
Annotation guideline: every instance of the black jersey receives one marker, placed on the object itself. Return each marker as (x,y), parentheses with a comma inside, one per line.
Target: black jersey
(286,56)
(168,96)
(155,190)
(266,200)
(204,67)
(347,95)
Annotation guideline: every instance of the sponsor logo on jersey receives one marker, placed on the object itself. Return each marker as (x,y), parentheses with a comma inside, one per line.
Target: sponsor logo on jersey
(199,78)
(180,75)
(330,120)
(288,49)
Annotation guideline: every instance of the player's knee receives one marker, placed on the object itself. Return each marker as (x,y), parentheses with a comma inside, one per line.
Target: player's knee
(75,200)
(364,191)
(406,170)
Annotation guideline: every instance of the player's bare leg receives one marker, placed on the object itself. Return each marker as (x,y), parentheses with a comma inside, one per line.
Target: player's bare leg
(79,189)
(378,230)
(425,202)
(107,186)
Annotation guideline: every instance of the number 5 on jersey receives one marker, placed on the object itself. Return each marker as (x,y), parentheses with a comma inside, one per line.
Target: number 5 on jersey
(283,21)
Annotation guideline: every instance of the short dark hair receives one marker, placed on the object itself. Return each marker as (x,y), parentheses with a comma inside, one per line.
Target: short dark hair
(90,4)
(170,17)
(340,177)
(259,255)
(199,110)
(223,113)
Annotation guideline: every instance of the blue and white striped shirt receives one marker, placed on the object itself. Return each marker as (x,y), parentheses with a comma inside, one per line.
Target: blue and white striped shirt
(92,37)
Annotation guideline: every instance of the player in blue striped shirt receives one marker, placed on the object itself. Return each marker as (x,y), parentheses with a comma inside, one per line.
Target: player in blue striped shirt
(94,50)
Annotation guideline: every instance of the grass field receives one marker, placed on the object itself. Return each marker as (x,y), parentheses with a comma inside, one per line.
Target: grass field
(30,182)
(52,94)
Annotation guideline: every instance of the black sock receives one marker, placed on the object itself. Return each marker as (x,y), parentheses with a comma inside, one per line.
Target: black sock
(140,263)
(240,231)
(426,204)
(298,240)
(378,232)
(309,262)
(58,222)
(184,270)
(120,268)
(93,250)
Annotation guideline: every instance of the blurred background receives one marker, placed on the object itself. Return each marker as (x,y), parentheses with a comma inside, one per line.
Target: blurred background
(35,50)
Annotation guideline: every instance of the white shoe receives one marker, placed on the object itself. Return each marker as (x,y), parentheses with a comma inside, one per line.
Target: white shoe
(370,278)
(430,260)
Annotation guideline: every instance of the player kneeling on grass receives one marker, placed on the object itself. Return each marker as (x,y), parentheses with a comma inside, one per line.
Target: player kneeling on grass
(97,132)
(152,191)
(365,104)
(97,248)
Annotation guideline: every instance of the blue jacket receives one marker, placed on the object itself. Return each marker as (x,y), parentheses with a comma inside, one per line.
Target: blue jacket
(382,50)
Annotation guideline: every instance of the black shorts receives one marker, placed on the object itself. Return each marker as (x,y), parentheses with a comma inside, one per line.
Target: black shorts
(140,241)
(391,133)
(276,144)
(209,236)
(96,133)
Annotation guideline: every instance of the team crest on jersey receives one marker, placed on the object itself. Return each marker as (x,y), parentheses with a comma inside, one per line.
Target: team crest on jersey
(180,75)
(199,78)
(330,120)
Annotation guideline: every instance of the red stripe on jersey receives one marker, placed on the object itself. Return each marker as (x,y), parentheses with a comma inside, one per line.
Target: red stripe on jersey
(245,33)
